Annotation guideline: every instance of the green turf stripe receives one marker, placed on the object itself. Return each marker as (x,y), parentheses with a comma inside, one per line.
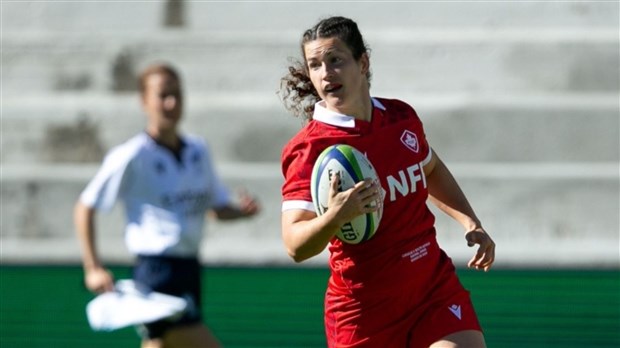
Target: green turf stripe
(283,307)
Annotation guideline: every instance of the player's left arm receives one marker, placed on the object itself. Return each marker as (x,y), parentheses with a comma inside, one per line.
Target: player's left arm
(447,195)
(247,206)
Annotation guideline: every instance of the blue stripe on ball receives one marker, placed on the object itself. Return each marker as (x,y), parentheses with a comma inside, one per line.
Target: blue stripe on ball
(340,157)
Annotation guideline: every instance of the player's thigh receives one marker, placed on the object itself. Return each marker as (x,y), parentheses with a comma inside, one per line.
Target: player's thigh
(461,339)
(152,343)
(190,336)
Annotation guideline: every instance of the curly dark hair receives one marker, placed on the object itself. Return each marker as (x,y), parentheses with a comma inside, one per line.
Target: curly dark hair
(296,90)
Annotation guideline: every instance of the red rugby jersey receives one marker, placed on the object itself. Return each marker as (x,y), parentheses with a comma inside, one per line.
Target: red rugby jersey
(395,144)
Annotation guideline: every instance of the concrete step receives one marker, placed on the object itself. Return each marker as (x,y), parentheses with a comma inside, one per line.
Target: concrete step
(539,214)
(146,16)
(447,61)
(530,87)
(253,127)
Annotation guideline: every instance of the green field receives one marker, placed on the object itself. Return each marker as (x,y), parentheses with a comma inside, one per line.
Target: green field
(44,306)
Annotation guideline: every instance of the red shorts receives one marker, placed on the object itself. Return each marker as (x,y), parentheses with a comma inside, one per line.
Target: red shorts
(419,302)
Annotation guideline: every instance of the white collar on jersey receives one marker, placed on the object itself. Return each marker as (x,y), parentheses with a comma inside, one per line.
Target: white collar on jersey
(321,114)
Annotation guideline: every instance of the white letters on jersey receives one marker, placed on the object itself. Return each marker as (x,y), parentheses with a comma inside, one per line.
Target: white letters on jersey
(407,181)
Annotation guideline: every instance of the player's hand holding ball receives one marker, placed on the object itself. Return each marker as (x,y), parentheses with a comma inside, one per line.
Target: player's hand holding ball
(343,179)
(361,199)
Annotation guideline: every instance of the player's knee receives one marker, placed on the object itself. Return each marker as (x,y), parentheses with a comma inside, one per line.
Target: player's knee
(152,343)
(461,339)
(190,336)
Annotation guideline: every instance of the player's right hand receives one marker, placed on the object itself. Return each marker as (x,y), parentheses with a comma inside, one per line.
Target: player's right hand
(363,198)
(99,280)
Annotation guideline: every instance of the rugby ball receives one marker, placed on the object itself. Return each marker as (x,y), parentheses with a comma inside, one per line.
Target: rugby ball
(353,167)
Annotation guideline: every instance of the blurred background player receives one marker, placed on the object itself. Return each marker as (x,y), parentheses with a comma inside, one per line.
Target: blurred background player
(398,289)
(167,183)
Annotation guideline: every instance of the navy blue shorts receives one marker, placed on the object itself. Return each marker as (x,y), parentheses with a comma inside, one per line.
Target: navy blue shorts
(174,276)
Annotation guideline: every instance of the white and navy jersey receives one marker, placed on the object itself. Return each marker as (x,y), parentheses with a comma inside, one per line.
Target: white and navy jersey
(165,197)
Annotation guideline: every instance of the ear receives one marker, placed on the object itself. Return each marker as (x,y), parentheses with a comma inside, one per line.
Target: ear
(365,63)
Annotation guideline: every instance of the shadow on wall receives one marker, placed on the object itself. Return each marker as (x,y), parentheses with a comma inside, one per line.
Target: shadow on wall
(73,143)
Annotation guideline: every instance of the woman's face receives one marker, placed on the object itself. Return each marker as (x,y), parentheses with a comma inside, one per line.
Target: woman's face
(162,101)
(339,79)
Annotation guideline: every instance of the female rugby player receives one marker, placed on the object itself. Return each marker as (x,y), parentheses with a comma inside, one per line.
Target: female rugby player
(397,289)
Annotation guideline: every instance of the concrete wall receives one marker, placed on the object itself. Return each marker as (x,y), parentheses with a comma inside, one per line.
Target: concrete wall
(520,99)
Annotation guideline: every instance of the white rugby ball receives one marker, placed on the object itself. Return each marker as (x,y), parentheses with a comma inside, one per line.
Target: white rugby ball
(353,167)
